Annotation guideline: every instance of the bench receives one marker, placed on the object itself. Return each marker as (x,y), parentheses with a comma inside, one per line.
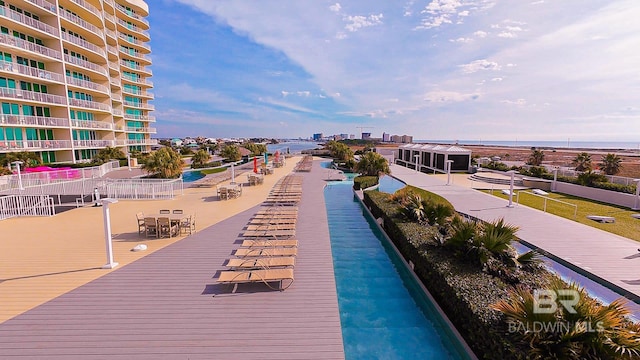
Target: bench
(539,192)
(602,219)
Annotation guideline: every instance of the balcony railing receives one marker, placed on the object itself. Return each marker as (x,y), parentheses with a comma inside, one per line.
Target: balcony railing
(87,84)
(137,92)
(89,104)
(135,41)
(91,124)
(110,2)
(83,43)
(33,120)
(110,18)
(78,21)
(21,145)
(114,65)
(139,105)
(131,14)
(44,4)
(29,46)
(134,67)
(140,117)
(85,64)
(87,6)
(117,112)
(30,71)
(31,96)
(140,142)
(116,97)
(112,50)
(31,22)
(133,28)
(140,129)
(93,143)
(111,33)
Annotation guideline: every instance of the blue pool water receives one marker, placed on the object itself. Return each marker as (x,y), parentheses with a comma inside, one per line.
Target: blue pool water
(190,176)
(389,184)
(383,313)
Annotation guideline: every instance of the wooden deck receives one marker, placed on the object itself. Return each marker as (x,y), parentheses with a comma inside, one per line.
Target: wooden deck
(168,305)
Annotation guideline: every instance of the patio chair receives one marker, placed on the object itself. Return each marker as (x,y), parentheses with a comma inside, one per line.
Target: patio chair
(150,227)
(165,211)
(185,224)
(252,276)
(165,227)
(140,218)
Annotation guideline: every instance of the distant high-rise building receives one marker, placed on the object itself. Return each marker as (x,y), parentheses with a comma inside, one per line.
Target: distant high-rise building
(344,136)
(74,78)
(407,139)
(366,135)
(317,137)
(385,137)
(352,136)
(396,139)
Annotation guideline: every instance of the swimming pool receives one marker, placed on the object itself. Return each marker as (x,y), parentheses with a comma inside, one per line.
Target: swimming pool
(191,176)
(383,313)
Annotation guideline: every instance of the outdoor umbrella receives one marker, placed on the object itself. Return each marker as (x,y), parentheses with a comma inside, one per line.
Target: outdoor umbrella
(266,158)
(277,156)
(255,164)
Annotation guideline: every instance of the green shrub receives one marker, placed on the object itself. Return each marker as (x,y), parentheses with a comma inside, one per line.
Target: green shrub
(363,182)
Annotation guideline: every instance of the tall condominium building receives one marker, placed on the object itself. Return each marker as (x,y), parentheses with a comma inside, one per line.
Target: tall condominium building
(74,77)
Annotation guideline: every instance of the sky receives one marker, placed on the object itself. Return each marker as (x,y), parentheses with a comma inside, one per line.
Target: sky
(434,69)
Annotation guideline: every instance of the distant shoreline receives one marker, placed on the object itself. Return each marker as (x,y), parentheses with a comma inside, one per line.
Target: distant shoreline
(548,145)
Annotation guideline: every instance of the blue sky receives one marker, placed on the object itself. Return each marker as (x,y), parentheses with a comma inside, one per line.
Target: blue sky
(434,69)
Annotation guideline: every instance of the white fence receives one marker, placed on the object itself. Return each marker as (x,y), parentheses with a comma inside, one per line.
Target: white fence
(26,205)
(142,189)
(10,184)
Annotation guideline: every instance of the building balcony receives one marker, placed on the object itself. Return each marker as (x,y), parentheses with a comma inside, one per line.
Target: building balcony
(25,45)
(45,5)
(140,142)
(116,97)
(83,43)
(92,9)
(140,117)
(138,105)
(144,93)
(85,64)
(135,67)
(87,124)
(149,130)
(21,120)
(87,84)
(6,12)
(135,42)
(89,104)
(110,18)
(93,143)
(29,71)
(83,24)
(134,28)
(117,112)
(32,96)
(132,15)
(27,145)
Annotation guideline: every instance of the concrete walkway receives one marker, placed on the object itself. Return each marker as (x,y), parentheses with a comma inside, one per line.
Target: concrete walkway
(611,257)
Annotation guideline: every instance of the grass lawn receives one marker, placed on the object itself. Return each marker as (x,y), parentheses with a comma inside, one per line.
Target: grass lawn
(213,171)
(625,225)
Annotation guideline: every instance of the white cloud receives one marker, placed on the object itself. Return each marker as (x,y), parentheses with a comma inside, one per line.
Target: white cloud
(478,65)
(461,40)
(358,22)
(506,34)
(515,102)
(448,97)
(335,7)
(481,34)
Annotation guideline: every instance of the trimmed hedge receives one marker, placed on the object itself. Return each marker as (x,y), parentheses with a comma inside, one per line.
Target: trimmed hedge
(462,289)
(363,182)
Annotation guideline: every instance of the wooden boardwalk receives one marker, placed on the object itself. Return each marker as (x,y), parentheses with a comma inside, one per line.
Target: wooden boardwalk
(168,305)
(603,254)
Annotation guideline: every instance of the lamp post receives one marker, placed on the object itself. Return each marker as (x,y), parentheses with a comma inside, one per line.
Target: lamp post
(107,232)
(637,198)
(513,173)
(449,162)
(129,161)
(417,157)
(555,177)
(17,164)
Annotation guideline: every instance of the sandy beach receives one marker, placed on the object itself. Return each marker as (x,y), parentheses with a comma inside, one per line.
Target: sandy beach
(45,257)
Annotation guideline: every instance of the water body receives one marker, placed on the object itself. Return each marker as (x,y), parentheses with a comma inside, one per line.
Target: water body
(191,176)
(295,147)
(382,311)
(544,144)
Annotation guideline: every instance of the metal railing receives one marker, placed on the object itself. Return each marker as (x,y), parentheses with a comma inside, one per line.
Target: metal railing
(29,21)
(26,205)
(85,64)
(86,84)
(546,198)
(29,46)
(30,71)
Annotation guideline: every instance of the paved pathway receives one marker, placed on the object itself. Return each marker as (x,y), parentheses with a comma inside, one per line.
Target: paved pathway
(608,256)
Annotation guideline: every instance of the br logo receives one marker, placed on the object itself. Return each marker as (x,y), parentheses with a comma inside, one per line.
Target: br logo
(546,301)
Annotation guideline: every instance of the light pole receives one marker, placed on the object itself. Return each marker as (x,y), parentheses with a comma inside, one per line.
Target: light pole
(513,173)
(17,164)
(555,177)
(449,162)
(417,157)
(129,161)
(107,232)
(635,202)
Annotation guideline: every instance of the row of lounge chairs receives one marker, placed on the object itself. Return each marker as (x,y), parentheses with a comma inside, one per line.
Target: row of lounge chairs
(304,164)
(268,250)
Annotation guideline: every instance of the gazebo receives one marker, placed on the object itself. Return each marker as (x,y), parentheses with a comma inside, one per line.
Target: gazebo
(434,157)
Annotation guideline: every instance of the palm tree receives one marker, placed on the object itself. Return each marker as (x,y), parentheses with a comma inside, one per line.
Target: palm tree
(231,152)
(582,161)
(108,153)
(536,157)
(610,164)
(200,159)
(166,163)
(372,164)
(29,159)
(586,330)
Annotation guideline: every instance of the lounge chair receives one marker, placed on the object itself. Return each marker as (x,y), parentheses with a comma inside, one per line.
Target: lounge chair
(264,252)
(262,263)
(269,243)
(253,276)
